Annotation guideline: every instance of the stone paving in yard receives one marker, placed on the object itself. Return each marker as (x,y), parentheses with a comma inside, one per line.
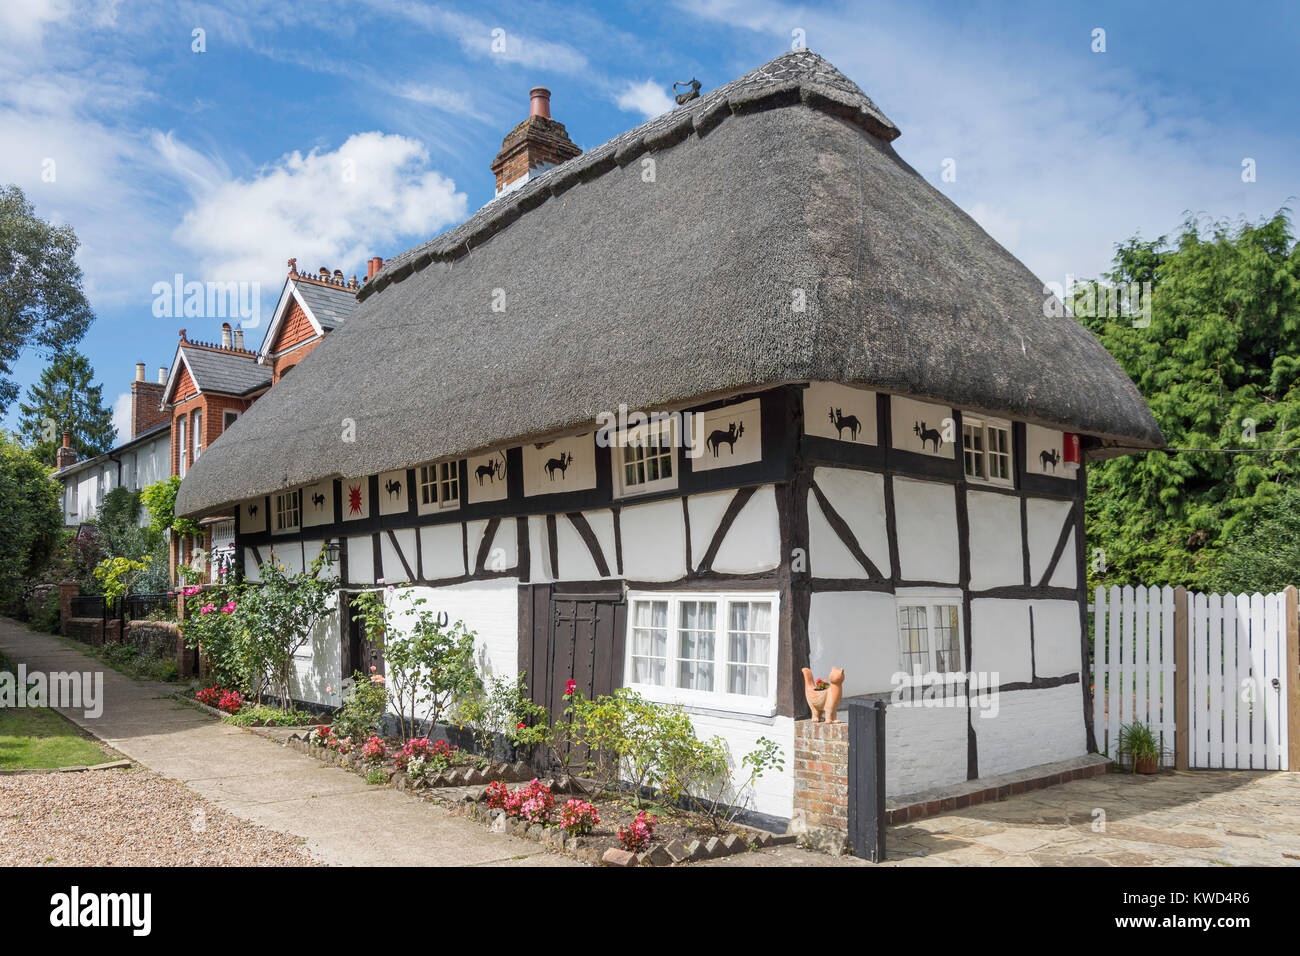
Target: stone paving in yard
(1190,818)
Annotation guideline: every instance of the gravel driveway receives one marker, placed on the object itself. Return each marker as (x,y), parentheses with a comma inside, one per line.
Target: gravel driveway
(131,817)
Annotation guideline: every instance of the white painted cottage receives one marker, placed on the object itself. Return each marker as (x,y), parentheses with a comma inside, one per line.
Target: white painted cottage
(883,468)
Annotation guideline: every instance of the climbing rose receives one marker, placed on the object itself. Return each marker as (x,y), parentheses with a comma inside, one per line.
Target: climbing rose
(207,608)
(570,687)
(228,608)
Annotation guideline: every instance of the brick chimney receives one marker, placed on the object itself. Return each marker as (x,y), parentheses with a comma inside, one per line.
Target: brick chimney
(536,144)
(225,335)
(145,399)
(239,339)
(65,456)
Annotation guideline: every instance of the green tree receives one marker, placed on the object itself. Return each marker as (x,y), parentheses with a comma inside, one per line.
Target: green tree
(42,305)
(159,500)
(66,399)
(31,521)
(1219,365)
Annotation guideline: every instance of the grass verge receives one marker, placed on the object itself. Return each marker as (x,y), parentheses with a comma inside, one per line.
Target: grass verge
(37,738)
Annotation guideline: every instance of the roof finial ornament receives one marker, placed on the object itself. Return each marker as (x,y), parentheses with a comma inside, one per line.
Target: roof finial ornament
(293,267)
(690,94)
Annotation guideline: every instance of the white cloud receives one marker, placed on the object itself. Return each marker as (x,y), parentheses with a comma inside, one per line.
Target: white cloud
(495,40)
(122,416)
(333,208)
(647,98)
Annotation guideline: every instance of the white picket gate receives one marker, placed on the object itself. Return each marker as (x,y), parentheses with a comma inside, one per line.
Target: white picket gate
(1237,680)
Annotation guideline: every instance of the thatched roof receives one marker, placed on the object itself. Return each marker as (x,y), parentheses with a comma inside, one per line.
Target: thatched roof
(617,289)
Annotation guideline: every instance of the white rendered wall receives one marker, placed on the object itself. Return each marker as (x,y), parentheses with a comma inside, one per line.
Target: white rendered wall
(926,514)
(859,498)
(858,631)
(997,555)
(774,792)
(925,747)
(1032,727)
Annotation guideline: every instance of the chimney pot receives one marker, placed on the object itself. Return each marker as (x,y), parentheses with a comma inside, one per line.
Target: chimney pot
(225,335)
(139,371)
(162,374)
(239,338)
(67,439)
(541,102)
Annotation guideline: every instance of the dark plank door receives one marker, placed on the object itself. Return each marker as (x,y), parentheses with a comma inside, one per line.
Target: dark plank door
(576,635)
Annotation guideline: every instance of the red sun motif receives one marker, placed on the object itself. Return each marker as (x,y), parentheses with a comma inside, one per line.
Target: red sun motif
(354,499)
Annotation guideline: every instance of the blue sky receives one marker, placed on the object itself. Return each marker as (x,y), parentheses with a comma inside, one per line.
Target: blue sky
(220,165)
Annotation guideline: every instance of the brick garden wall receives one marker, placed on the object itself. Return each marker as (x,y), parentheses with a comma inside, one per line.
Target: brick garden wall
(821,775)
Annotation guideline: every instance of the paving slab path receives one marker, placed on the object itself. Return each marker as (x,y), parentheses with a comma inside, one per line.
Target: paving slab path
(340,819)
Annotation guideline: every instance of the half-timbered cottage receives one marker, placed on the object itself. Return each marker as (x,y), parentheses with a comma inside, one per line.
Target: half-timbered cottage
(883,467)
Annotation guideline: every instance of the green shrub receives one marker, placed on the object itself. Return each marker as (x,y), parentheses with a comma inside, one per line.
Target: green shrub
(47,614)
(365,702)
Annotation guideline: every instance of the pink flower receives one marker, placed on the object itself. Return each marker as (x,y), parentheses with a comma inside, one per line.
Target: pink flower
(570,687)
(228,608)
(373,668)
(207,608)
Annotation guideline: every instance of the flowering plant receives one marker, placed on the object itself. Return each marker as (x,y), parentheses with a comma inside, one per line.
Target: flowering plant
(231,701)
(820,684)
(417,767)
(532,803)
(321,736)
(578,817)
(373,750)
(209,696)
(497,792)
(342,744)
(638,835)
(437,754)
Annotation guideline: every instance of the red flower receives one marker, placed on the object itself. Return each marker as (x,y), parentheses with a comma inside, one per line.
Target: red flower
(519,727)
(570,687)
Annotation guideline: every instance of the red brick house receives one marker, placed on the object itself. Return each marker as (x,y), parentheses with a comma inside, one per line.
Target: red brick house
(212,384)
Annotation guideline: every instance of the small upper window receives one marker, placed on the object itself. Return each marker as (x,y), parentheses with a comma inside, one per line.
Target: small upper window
(287,505)
(645,458)
(986,450)
(439,486)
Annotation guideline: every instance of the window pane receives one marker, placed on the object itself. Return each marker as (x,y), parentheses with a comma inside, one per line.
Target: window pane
(947,639)
(749,645)
(913,631)
(650,642)
(697,638)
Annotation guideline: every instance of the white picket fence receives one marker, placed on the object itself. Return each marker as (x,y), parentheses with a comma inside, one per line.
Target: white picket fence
(1237,681)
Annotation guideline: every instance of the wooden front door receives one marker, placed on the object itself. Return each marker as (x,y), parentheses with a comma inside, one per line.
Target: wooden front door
(577,633)
(359,653)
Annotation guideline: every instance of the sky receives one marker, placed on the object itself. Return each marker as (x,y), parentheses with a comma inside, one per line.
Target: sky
(216,141)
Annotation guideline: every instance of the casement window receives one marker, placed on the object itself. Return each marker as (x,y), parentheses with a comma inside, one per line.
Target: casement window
(228,419)
(197,428)
(710,650)
(288,510)
(929,633)
(986,449)
(645,458)
(439,486)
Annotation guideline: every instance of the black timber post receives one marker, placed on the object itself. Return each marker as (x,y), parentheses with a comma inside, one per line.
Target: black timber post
(867,778)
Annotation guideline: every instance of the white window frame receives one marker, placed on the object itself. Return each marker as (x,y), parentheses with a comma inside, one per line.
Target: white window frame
(278,509)
(182,445)
(196,425)
(985,426)
(717,699)
(929,599)
(636,437)
(444,473)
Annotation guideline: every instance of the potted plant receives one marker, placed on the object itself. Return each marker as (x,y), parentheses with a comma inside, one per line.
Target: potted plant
(1137,741)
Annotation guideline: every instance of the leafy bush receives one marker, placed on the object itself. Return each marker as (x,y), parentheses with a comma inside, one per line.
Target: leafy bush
(365,702)
(373,750)
(376,776)
(501,708)
(31,520)
(47,613)
(430,663)
(252,715)
(531,803)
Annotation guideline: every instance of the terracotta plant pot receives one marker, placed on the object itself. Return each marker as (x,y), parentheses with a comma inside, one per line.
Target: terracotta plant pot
(817,699)
(1148,764)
